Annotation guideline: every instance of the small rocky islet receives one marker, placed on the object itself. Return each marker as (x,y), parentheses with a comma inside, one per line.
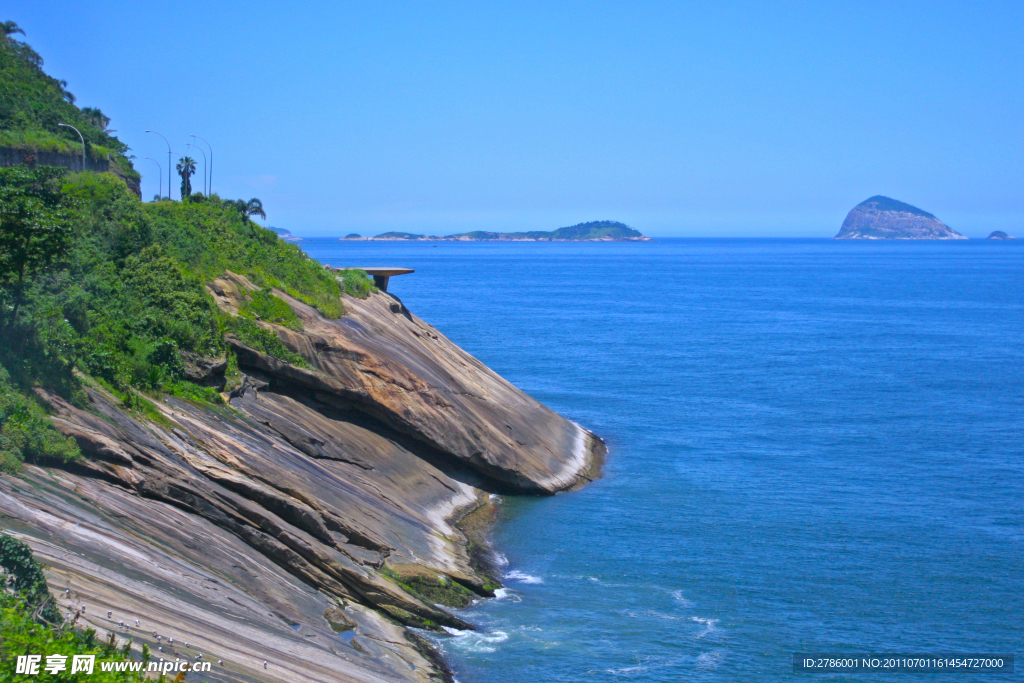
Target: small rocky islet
(884,218)
(1000,235)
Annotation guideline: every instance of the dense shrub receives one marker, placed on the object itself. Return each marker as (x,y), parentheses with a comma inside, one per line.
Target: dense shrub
(26,433)
(25,578)
(357,283)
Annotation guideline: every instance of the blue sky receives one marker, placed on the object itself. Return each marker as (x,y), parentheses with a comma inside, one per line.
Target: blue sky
(689,119)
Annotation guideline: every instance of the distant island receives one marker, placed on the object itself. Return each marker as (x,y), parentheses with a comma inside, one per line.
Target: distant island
(1000,235)
(594,231)
(286,235)
(884,218)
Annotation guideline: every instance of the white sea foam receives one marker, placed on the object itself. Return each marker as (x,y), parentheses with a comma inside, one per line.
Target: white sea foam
(496,499)
(500,560)
(708,624)
(678,597)
(506,594)
(651,614)
(516,575)
(710,660)
(475,641)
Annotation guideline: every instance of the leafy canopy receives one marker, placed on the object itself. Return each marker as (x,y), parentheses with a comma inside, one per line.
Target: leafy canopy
(36,226)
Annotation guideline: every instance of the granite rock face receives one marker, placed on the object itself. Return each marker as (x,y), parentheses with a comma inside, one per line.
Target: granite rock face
(882,218)
(311,521)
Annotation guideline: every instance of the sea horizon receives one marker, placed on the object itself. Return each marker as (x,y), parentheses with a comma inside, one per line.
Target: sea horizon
(805,437)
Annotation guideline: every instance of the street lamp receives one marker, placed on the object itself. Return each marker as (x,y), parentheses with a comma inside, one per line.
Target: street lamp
(210,190)
(168,162)
(160,170)
(193,144)
(65,125)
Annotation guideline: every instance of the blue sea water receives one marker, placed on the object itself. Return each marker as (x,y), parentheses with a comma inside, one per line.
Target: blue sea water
(813,446)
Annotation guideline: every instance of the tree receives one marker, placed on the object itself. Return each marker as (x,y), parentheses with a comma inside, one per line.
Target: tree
(186,169)
(36,225)
(10,28)
(248,209)
(96,117)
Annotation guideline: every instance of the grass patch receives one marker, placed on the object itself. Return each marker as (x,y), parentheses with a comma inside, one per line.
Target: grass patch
(264,341)
(195,393)
(263,305)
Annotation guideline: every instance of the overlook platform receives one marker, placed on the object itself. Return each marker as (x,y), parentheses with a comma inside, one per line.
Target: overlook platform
(381,275)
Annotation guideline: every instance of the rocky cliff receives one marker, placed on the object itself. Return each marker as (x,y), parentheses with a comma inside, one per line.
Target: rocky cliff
(296,533)
(882,218)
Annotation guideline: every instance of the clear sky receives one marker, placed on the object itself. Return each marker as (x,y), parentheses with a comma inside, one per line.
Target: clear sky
(689,119)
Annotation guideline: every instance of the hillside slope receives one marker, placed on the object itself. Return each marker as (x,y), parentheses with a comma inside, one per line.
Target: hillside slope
(33,103)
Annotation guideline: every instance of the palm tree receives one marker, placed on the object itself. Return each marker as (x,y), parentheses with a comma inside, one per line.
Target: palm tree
(186,169)
(248,209)
(97,118)
(10,28)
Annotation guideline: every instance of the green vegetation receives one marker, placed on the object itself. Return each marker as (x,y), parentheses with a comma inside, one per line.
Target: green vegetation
(127,296)
(398,236)
(33,103)
(432,588)
(35,225)
(26,433)
(263,305)
(596,230)
(356,283)
(186,169)
(256,337)
(99,288)
(248,209)
(24,577)
(31,624)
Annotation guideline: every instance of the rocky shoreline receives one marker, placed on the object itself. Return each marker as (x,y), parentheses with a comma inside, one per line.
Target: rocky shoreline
(298,532)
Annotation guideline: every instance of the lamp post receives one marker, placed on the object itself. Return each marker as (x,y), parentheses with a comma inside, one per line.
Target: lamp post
(210,190)
(168,162)
(160,170)
(65,125)
(193,144)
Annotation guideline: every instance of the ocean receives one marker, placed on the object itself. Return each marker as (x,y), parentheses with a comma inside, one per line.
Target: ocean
(814,446)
